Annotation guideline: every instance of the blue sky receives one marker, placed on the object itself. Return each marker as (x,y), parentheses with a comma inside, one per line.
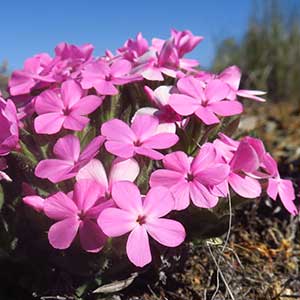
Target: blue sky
(29,27)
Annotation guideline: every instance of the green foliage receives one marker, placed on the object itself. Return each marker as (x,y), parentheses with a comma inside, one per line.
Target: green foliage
(268,53)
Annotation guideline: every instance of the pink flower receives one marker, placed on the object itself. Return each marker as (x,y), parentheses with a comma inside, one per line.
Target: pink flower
(205,101)
(3,166)
(194,178)
(65,108)
(9,129)
(232,76)
(140,218)
(103,77)
(142,138)
(35,202)
(277,186)
(36,70)
(77,213)
(69,160)
(121,169)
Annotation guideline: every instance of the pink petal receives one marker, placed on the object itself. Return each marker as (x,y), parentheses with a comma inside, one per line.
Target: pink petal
(158,202)
(94,170)
(138,248)
(149,153)
(104,87)
(191,86)
(216,90)
(75,122)
(86,193)
(181,194)
(207,116)
(116,222)
(201,196)
(152,73)
(166,178)
(71,93)
(213,175)
(120,68)
(251,95)
(121,149)
(87,105)
(161,141)
(184,105)
(117,130)
(127,196)
(244,186)
(205,158)
(177,161)
(167,232)
(92,149)
(92,239)
(55,170)
(36,202)
(124,169)
(47,102)
(67,148)
(245,158)
(144,126)
(49,123)
(226,108)
(232,76)
(62,233)
(59,207)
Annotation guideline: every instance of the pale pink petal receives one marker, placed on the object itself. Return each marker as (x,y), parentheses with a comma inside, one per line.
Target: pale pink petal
(59,207)
(92,239)
(117,130)
(244,186)
(124,169)
(216,90)
(152,73)
(127,196)
(201,196)
(177,161)
(232,76)
(67,148)
(87,105)
(94,170)
(250,94)
(207,116)
(191,86)
(167,232)
(226,108)
(166,178)
(121,149)
(116,222)
(158,202)
(49,123)
(71,93)
(36,202)
(184,105)
(62,233)
(138,248)
(55,170)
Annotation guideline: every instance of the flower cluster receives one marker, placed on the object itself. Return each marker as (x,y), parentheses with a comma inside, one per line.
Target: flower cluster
(119,143)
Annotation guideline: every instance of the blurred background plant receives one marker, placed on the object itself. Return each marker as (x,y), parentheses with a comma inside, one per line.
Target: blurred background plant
(268,53)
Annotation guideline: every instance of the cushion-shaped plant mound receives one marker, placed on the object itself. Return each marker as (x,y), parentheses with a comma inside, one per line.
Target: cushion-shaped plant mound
(148,117)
